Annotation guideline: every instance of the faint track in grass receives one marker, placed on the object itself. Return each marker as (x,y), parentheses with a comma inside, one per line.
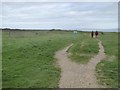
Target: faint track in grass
(74,75)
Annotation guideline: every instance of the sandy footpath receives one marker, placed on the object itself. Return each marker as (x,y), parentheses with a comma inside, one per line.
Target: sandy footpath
(74,75)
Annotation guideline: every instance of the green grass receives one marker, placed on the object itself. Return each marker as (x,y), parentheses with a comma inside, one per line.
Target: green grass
(84,49)
(0,59)
(107,69)
(29,62)
(28,57)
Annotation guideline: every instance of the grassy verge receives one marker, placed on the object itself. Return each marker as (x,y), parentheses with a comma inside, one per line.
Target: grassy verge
(28,59)
(84,49)
(0,59)
(107,69)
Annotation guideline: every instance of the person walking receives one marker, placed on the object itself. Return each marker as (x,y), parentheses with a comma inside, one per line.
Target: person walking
(92,34)
(96,34)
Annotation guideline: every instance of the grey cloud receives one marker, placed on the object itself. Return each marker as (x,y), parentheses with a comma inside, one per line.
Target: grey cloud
(60,15)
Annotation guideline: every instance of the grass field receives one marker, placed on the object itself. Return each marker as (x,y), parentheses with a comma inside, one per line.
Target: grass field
(28,56)
(84,49)
(107,69)
(0,59)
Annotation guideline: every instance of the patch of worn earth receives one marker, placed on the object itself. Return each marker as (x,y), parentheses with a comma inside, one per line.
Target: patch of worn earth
(74,75)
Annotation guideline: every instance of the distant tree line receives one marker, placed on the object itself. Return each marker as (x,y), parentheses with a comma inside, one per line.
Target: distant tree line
(10,29)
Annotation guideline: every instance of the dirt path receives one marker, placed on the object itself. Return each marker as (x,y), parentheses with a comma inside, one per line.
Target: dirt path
(75,75)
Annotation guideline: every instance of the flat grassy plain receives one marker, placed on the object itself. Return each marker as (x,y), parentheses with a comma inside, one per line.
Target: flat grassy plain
(0,59)
(28,56)
(107,69)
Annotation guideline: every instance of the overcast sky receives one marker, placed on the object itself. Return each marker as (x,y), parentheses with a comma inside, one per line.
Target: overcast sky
(80,15)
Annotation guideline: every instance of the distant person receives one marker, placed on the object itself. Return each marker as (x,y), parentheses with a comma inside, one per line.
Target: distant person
(92,34)
(96,34)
